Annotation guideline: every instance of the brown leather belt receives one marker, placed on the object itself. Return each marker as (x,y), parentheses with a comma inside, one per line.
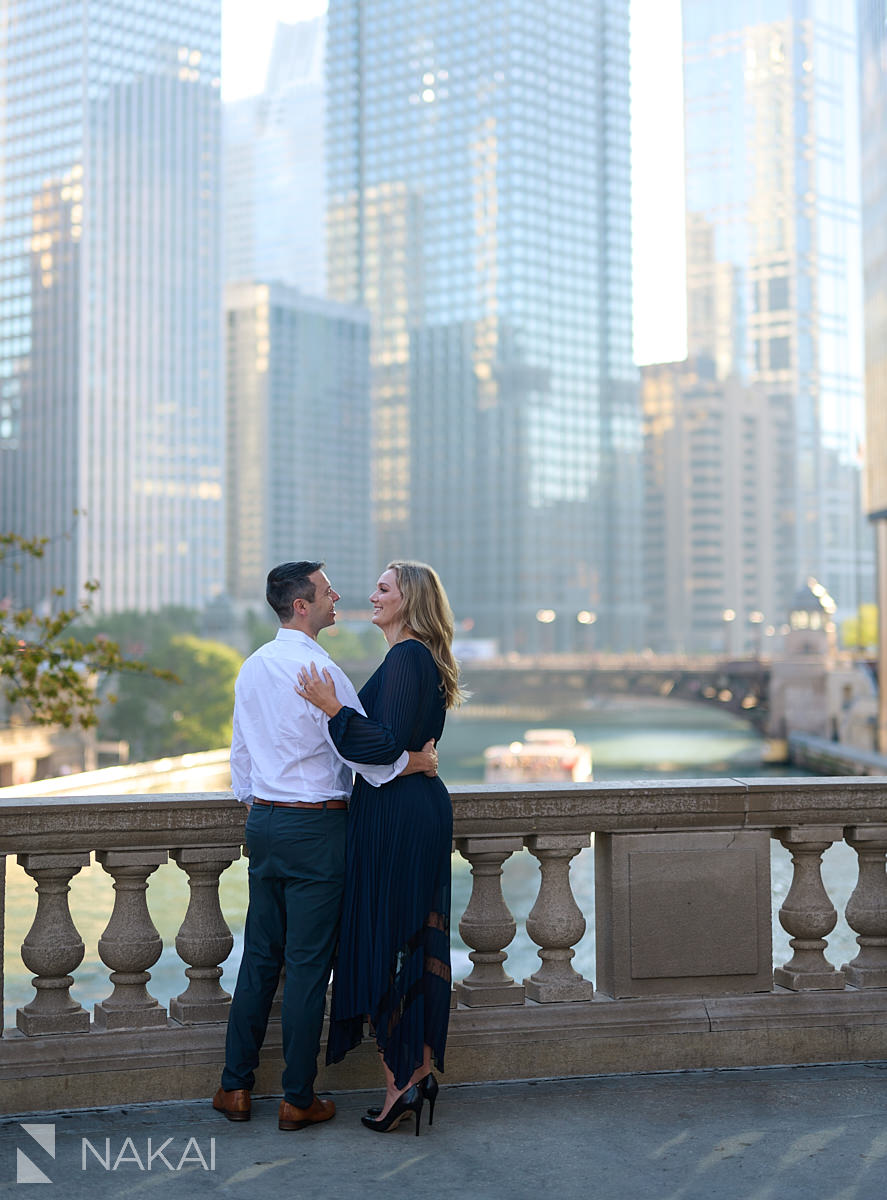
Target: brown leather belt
(300,803)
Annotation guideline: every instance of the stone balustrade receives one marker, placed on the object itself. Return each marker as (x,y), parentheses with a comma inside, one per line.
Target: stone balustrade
(682,919)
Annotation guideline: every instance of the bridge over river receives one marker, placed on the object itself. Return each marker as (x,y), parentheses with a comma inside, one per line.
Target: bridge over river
(741,686)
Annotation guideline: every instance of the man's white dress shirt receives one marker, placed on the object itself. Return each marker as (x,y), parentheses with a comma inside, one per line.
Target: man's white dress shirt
(281,748)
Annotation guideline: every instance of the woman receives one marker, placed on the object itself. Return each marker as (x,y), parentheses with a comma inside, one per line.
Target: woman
(394,952)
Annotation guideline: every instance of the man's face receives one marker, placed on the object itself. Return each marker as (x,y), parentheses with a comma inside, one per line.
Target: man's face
(321,610)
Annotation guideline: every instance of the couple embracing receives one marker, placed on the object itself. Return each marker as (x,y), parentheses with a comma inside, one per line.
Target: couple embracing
(376,876)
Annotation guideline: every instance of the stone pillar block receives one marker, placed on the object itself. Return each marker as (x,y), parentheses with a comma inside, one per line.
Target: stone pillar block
(683,914)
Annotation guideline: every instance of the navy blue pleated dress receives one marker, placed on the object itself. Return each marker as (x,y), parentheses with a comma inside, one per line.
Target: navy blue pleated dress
(393,962)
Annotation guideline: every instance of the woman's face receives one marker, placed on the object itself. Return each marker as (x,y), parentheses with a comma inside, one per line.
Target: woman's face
(387,601)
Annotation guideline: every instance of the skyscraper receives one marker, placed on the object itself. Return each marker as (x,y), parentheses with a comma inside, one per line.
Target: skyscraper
(298,416)
(873,106)
(709,448)
(774,273)
(275,217)
(110,351)
(479,207)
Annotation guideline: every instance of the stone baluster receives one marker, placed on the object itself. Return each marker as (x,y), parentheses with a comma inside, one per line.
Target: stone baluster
(866,910)
(204,940)
(487,924)
(556,922)
(52,947)
(807,913)
(130,943)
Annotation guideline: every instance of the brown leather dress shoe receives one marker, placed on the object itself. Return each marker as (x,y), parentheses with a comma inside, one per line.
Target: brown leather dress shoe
(235,1105)
(292,1117)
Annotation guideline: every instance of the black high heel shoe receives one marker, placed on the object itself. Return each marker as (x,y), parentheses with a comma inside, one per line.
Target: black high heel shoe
(408,1101)
(428,1088)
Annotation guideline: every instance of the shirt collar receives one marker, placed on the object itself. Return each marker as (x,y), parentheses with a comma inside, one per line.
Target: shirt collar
(289,635)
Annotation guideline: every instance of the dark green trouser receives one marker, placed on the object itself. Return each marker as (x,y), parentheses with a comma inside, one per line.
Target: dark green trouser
(296,876)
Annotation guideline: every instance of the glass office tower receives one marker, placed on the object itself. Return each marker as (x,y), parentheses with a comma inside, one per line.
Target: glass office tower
(273,148)
(111,401)
(479,207)
(773,260)
(298,431)
(873,111)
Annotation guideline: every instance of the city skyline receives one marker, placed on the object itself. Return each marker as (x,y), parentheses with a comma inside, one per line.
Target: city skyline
(479,208)
(657,153)
(458,246)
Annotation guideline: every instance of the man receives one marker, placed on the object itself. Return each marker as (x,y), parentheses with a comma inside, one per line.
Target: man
(285,767)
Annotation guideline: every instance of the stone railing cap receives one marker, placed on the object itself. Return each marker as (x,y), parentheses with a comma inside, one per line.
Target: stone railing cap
(216,818)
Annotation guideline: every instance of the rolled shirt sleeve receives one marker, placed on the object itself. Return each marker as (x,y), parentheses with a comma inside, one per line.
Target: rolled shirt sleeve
(241,765)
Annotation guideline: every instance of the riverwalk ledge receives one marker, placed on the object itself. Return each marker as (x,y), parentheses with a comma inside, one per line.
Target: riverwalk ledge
(682,912)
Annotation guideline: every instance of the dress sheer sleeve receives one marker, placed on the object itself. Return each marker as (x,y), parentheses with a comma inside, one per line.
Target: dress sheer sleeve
(382,738)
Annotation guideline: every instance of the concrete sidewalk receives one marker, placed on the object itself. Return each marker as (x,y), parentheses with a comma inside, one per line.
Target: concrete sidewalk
(817,1133)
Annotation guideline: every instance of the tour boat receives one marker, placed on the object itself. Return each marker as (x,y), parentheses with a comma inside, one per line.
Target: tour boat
(545,755)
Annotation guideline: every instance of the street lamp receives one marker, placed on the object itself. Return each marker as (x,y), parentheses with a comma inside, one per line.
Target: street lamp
(756,618)
(728,616)
(587,619)
(545,616)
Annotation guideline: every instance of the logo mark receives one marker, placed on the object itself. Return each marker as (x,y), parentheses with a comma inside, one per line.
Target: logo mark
(27,1171)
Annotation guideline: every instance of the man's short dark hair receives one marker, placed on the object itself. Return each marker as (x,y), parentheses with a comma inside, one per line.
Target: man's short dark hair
(288,582)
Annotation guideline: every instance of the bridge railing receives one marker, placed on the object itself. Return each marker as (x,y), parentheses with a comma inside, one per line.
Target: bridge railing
(682,918)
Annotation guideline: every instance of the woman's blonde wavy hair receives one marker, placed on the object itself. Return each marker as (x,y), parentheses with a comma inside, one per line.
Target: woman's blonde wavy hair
(427,614)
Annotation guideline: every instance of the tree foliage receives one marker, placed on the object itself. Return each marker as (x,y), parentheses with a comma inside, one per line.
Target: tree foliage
(194,715)
(45,667)
(345,643)
(260,627)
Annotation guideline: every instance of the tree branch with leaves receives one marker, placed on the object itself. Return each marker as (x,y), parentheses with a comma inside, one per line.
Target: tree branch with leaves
(44,667)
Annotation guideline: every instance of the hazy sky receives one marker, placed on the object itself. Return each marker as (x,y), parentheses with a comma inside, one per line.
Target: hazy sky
(660,333)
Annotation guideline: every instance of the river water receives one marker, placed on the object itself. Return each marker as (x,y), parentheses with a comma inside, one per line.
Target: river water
(647,740)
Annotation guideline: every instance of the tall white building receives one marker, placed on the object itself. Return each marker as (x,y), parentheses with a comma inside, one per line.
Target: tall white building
(111,398)
(274,218)
(709,449)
